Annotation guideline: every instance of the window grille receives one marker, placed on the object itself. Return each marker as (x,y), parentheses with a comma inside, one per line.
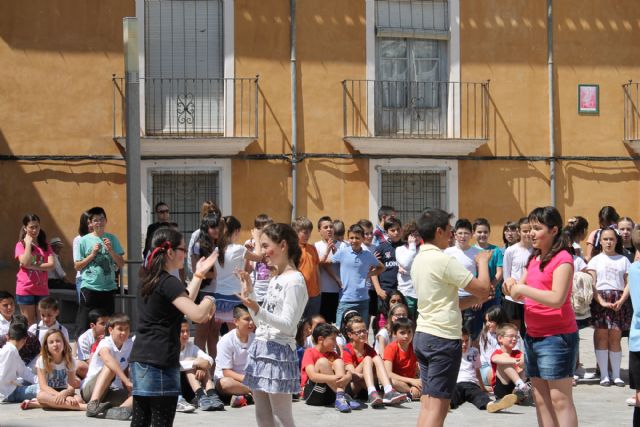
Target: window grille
(412,16)
(184,192)
(411,191)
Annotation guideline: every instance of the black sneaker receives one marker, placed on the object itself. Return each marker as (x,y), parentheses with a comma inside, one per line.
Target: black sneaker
(122,413)
(95,408)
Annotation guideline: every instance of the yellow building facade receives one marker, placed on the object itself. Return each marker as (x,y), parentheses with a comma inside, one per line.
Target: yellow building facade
(409,103)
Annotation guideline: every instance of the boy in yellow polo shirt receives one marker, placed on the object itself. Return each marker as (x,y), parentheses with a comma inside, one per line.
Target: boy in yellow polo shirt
(437,277)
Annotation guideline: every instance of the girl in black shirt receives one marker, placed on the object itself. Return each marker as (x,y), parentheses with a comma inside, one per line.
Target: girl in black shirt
(162,302)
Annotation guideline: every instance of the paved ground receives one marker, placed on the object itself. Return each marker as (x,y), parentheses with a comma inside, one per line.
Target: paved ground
(597,406)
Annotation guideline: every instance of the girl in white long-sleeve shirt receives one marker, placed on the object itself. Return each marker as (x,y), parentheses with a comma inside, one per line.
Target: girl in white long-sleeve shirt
(272,371)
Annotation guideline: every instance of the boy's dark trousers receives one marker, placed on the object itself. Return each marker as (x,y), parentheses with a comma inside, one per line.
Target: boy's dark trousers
(469,392)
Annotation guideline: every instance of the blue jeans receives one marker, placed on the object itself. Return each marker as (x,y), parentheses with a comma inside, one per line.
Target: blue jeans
(553,357)
(361,307)
(23,392)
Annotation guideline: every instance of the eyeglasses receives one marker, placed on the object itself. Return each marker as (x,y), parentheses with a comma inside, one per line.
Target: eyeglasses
(360,332)
(163,211)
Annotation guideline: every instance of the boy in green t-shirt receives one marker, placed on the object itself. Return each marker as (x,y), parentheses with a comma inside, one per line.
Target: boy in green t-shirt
(99,255)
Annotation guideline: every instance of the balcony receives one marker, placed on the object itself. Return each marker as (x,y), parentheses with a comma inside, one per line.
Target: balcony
(415,118)
(191,116)
(632,116)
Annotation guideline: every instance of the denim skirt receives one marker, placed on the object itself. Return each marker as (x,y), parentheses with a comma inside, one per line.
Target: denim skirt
(150,380)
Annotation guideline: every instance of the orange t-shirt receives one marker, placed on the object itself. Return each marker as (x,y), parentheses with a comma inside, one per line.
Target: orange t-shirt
(309,267)
(404,363)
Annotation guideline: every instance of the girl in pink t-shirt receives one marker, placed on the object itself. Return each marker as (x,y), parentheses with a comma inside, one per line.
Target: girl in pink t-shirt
(551,342)
(35,257)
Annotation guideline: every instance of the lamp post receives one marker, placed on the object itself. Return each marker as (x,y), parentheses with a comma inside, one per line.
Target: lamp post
(132,120)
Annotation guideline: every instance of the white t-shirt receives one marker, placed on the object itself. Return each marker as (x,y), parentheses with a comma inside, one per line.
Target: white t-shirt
(121,355)
(42,330)
(232,354)
(468,260)
(470,362)
(227,283)
(327,284)
(384,333)
(610,271)
(514,263)
(59,376)
(191,352)
(405,255)
(578,264)
(4,326)
(84,344)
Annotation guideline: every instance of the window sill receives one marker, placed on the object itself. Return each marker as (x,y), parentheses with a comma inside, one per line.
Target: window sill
(407,146)
(634,145)
(172,146)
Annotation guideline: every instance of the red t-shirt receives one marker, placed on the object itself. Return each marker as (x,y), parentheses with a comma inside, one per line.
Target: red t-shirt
(350,357)
(541,320)
(404,363)
(310,357)
(494,366)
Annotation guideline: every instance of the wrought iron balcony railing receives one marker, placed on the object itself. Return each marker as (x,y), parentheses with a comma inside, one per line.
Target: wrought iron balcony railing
(631,113)
(422,110)
(174,107)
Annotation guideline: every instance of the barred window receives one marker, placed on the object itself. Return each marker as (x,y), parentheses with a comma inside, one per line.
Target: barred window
(411,191)
(184,192)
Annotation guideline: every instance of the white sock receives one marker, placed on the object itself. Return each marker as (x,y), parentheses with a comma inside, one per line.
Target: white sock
(371,389)
(602,356)
(616,359)
(388,388)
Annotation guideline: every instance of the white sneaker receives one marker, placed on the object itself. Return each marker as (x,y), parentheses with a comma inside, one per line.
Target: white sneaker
(184,406)
(631,401)
(589,375)
(618,382)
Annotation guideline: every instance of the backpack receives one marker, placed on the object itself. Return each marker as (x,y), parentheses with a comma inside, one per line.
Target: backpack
(581,292)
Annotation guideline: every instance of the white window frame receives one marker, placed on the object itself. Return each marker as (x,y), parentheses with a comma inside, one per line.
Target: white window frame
(228,10)
(148,167)
(376,166)
(454,61)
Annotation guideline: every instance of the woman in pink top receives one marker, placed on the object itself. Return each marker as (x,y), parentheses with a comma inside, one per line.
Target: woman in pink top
(551,341)
(35,257)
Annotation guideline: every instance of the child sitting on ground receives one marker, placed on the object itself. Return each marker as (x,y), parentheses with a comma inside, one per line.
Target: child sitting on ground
(469,386)
(384,335)
(98,319)
(507,364)
(366,367)
(195,378)
(56,375)
(31,349)
(323,376)
(232,358)
(12,368)
(107,384)
(400,360)
(315,320)
(49,312)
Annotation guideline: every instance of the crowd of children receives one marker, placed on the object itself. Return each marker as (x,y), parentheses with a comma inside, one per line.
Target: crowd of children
(298,316)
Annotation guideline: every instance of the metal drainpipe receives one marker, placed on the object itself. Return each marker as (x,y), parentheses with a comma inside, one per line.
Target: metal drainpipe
(294,110)
(552,134)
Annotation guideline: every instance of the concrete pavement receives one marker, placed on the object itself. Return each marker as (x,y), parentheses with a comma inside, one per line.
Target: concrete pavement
(596,406)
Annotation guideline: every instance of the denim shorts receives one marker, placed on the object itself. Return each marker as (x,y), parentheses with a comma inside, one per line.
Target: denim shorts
(553,357)
(149,380)
(439,360)
(29,299)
